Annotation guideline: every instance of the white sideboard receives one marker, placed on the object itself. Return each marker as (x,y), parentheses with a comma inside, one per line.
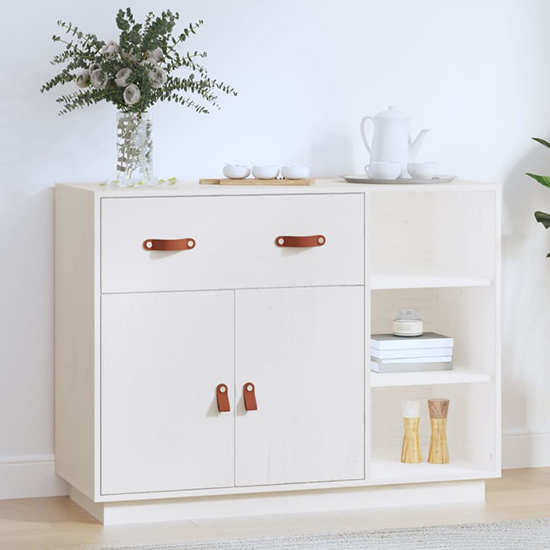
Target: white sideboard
(212,345)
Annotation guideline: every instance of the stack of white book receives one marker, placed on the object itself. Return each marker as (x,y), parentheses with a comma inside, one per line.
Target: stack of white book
(428,352)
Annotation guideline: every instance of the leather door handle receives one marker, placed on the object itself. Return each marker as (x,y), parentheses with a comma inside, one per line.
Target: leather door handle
(169,244)
(291,241)
(222,396)
(249,392)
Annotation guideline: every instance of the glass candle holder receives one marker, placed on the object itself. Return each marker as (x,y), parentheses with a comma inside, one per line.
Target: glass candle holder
(408,322)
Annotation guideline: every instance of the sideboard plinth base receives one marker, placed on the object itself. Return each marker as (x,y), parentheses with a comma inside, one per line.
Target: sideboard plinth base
(357,498)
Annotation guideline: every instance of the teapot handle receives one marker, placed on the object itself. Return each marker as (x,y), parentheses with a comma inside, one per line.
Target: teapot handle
(363,135)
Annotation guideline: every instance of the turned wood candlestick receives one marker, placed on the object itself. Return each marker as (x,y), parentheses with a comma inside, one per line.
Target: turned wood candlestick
(439,450)
(410,452)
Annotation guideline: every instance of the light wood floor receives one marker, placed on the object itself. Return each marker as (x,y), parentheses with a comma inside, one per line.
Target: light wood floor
(59,524)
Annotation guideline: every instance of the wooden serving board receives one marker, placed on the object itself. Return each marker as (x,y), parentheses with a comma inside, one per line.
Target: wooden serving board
(255,181)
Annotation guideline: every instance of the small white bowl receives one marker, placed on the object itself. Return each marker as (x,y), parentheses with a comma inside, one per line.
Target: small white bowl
(295,172)
(422,170)
(384,170)
(236,171)
(265,172)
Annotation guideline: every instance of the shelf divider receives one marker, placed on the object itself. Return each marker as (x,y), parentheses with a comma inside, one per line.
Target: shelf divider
(431,378)
(389,281)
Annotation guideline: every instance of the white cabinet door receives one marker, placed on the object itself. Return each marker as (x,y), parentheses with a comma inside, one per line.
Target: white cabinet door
(303,349)
(162,358)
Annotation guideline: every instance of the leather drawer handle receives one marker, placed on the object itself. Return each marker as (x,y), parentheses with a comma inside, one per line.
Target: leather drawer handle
(289,241)
(169,244)
(222,396)
(249,392)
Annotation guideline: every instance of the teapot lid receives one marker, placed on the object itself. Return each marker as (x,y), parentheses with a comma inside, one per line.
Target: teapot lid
(392,114)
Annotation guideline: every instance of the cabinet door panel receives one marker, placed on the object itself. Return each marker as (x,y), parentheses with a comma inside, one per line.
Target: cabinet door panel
(163,356)
(303,349)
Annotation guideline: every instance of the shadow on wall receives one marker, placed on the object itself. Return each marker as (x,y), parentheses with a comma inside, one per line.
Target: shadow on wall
(526,295)
(332,156)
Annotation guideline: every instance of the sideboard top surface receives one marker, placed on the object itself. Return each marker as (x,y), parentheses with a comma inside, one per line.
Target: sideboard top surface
(192,188)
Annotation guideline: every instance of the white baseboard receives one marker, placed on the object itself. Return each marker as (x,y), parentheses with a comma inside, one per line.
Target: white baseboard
(34,475)
(30,476)
(521,449)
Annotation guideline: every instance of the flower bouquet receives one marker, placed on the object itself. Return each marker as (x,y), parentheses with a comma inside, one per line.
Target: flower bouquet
(133,74)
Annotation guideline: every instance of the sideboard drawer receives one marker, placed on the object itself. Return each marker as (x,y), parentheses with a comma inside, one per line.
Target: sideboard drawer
(230,242)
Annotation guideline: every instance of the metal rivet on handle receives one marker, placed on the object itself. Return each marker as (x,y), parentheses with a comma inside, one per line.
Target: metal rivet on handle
(149,244)
(191,243)
(281,241)
(222,389)
(249,388)
(320,240)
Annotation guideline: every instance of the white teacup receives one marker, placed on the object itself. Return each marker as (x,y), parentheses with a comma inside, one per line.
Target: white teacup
(265,172)
(295,172)
(236,171)
(422,170)
(383,170)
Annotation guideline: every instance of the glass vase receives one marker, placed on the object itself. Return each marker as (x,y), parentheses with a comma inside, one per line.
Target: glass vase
(134,149)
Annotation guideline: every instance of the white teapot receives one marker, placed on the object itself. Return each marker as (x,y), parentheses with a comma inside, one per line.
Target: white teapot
(391,140)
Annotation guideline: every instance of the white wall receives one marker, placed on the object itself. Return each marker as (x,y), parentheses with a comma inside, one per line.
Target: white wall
(475,72)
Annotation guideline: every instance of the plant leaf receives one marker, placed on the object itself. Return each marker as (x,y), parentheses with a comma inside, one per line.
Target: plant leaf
(542,142)
(543,180)
(543,218)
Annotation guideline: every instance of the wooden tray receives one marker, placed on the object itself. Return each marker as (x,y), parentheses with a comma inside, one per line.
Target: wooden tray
(255,181)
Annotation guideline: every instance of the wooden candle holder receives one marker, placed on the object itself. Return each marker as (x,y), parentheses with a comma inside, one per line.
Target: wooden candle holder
(410,452)
(439,450)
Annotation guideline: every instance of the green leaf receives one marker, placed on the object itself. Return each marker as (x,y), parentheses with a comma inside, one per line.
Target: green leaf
(543,218)
(543,180)
(542,142)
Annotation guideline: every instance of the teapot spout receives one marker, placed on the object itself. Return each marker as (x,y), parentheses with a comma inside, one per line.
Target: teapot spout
(414,146)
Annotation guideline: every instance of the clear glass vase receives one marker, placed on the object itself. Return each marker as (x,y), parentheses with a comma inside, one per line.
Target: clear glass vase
(134,149)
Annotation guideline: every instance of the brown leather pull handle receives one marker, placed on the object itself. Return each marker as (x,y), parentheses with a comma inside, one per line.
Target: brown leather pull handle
(169,244)
(289,241)
(250,397)
(222,396)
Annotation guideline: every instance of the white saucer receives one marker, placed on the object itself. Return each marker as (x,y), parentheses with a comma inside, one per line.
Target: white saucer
(362,178)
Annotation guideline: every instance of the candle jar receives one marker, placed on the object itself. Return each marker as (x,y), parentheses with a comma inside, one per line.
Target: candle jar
(408,322)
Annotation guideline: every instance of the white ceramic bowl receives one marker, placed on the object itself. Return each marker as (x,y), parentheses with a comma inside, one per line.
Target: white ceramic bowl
(236,171)
(295,172)
(384,170)
(265,172)
(422,170)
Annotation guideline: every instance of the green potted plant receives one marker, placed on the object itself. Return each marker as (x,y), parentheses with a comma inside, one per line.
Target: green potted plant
(542,217)
(133,74)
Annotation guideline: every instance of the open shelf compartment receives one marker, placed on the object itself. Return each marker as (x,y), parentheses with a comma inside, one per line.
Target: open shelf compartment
(433,238)
(471,433)
(467,314)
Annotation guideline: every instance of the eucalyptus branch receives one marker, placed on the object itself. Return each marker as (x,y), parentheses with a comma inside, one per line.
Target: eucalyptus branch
(138,71)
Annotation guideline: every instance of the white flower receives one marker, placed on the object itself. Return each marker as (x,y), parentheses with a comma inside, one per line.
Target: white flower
(83,79)
(110,48)
(157,77)
(131,94)
(93,67)
(122,77)
(98,78)
(157,54)
(149,62)
(128,56)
